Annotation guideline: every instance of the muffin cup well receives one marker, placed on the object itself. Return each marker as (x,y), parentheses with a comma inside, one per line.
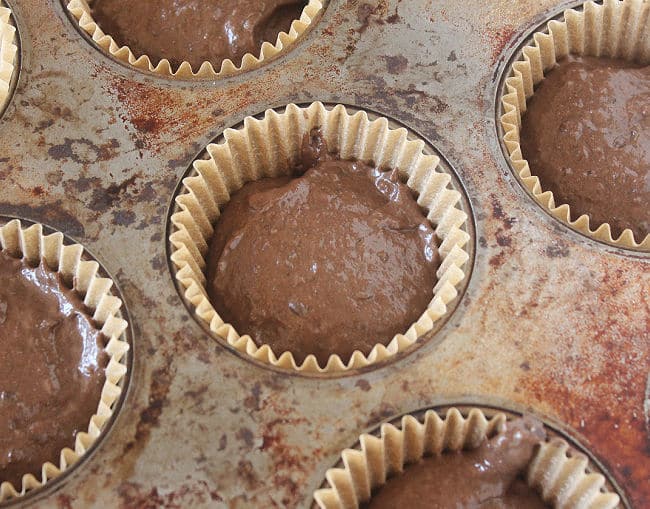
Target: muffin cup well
(82,12)
(33,246)
(615,29)
(8,51)
(560,479)
(270,146)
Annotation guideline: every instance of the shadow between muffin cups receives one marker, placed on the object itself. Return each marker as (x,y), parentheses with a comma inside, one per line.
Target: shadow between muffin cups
(559,475)
(267,147)
(33,246)
(614,30)
(81,11)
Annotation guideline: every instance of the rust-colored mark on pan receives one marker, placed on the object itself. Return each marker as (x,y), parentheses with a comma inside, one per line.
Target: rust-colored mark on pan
(133,495)
(499,40)
(602,381)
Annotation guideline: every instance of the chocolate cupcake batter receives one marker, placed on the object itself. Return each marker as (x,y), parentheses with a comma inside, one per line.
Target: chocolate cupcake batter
(195,30)
(51,368)
(336,260)
(489,477)
(586,135)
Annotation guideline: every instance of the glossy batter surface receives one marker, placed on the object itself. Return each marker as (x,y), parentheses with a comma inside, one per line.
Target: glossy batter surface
(489,477)
(195,30)
(586,135)
(51,368)
(336,260)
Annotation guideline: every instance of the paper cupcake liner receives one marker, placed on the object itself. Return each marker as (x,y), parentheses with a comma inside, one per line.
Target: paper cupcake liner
(8,51)
(268,147)
(615,29)
(560,479)
(32,245)
(81,11)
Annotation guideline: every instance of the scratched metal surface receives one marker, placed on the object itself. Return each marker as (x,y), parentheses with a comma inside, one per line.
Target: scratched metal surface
(551,322)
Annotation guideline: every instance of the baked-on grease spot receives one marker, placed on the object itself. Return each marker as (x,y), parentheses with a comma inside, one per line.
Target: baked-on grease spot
(380,414)
(103,199)
(195,493)
(497,260)
(196,395)
(252,402)
(64,501)
(498,213)
(83,184)
(503,239)
(246,435)
(123,217)
(246,474)
(290,463)
(525,366)
(161,380)
(84,151)
(53,214)
(557,251)
(363,384)
(159,262)
(395,64)
(368,13)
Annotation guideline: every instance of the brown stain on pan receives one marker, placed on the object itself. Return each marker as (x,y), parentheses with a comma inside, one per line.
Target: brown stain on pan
(84,151)
(290,463)
(55,214)
(499,40)
(601,381)
(134,496)
(152,112)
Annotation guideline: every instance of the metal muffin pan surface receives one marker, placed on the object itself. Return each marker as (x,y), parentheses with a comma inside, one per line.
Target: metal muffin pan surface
(550,322)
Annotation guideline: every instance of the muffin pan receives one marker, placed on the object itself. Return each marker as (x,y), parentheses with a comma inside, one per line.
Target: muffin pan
(551,322)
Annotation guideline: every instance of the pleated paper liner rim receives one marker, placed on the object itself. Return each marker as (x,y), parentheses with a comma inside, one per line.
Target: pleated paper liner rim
(81,11)
(270,145)
(559,474)
(8,52)
(612,30)
(32,244)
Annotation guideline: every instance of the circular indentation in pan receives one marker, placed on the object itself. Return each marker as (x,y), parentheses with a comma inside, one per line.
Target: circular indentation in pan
(102,296)
(554,433)
(185,249)
(9,55)
(80,14)
(529,49)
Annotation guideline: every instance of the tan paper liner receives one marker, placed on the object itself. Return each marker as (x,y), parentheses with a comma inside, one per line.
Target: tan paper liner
(8,50)
(616,29)
(81,11)
(561,479)
(32,245)
(271,146)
